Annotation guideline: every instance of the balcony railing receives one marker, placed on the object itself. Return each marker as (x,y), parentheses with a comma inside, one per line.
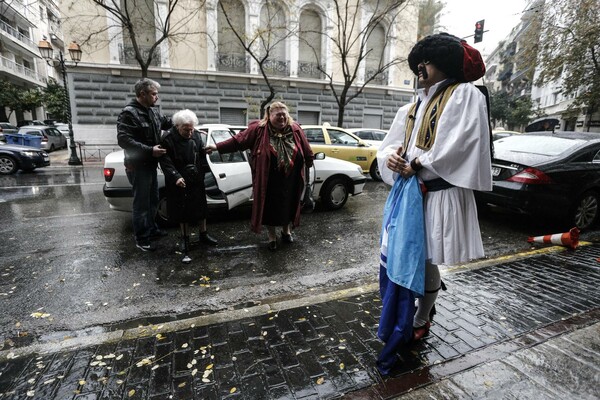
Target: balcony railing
(127,55)
(16,34)
(277,67)
(19,69)
(233,62)
(379,79)
(309,70)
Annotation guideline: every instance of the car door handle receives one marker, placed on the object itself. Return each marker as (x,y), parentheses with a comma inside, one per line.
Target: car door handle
(222,175)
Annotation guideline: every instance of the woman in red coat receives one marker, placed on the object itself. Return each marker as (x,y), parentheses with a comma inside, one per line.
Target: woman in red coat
(279,152)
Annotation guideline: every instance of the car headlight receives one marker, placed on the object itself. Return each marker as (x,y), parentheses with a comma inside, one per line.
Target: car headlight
(359,169)
(29,153)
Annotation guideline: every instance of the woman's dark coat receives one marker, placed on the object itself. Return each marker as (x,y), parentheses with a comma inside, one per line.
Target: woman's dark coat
(256,138)
(189,204)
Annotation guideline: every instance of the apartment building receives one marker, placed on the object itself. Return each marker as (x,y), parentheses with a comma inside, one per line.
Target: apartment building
(22,24)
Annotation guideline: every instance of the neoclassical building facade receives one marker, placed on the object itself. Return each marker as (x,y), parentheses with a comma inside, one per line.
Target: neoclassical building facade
(213,62)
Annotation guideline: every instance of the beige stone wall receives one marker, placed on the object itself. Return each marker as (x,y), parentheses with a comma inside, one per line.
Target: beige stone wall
(187,49)
(188,45)
(405,40)
(79,19)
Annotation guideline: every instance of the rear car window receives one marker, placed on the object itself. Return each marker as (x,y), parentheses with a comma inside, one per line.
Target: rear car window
(539,145)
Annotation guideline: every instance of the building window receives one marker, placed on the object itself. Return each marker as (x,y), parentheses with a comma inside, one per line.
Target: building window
(373,120)
(273,39)
(310,45)
(141,14)
(233,116)
(376,57)
(309,117)
(231,55)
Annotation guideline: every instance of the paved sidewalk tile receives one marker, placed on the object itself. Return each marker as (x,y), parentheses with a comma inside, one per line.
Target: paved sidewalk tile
(496,318)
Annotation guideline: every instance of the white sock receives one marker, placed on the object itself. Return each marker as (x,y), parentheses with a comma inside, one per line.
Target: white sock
(432,287)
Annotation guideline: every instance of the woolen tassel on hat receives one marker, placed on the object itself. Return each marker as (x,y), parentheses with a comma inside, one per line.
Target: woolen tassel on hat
(473,66)
(568,239)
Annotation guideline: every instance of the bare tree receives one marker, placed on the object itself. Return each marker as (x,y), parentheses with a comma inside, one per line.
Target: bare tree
(142,24)
(264,43)
(429,17)
(358,25)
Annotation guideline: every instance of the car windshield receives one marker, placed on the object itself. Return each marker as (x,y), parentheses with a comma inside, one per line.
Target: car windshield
(533,149)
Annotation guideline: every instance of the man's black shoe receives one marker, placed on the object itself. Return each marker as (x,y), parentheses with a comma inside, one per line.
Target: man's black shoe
(207,239)
(158,234)
(145,246)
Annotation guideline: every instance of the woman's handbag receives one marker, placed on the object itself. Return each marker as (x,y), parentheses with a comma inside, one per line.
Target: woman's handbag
(190,173)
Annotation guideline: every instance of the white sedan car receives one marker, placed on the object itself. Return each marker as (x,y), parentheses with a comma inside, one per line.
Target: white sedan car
(230,182)
(370,135)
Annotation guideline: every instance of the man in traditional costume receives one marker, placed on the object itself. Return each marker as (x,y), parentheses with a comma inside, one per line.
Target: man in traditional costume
(437,151)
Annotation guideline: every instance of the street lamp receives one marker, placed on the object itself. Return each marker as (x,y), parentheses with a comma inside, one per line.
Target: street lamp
(75,52)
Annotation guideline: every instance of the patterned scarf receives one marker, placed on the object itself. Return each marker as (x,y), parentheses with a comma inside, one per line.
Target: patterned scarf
(282,143)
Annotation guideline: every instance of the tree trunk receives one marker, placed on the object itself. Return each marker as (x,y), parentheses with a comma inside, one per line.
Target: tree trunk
(340,117)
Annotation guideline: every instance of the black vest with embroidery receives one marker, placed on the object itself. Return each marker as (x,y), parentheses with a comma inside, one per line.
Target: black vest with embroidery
(428,130)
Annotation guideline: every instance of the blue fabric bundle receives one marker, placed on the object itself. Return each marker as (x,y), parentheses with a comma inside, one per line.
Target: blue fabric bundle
(402,273)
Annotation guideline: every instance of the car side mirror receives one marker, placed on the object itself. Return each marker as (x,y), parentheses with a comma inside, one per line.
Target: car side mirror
(319,156)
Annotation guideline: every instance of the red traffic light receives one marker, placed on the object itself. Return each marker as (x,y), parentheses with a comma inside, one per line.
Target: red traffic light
(479,31)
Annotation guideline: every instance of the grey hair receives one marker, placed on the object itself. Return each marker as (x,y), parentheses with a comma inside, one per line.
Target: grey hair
(184,117)
(143,85)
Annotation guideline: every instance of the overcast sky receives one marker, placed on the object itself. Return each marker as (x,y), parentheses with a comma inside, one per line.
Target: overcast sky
(459,18)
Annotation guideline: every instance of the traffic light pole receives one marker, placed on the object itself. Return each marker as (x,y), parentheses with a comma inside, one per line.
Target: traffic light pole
(465,37)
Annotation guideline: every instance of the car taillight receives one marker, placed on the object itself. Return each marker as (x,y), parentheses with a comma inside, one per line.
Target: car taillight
(108,174)
(44,138)
(531,176)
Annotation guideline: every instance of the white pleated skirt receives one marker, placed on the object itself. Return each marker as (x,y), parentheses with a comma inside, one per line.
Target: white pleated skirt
(452,227)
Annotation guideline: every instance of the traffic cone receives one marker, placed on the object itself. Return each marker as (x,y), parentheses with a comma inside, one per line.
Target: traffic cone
(569,239)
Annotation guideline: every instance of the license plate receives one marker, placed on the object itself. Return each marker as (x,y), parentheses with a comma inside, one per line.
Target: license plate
(496,171)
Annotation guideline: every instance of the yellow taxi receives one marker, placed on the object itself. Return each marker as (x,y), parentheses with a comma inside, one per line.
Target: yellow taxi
(339,143)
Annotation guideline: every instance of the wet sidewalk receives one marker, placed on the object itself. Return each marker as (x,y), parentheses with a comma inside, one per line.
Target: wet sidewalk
(522,327)
(60,158)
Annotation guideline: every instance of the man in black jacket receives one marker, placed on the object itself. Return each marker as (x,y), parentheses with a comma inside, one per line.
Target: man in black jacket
(138,132)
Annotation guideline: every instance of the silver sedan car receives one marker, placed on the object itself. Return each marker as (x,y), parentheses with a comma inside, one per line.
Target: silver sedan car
(52,138)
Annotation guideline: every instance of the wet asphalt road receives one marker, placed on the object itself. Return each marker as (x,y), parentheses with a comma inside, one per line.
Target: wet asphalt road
(68,265)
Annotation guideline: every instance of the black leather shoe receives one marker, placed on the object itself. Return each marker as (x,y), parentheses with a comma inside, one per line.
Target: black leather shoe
(145,245)
(207,239)
(273,245)
(159,233)
(287,238)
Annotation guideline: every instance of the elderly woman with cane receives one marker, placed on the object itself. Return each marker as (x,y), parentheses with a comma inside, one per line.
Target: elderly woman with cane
(184,166)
